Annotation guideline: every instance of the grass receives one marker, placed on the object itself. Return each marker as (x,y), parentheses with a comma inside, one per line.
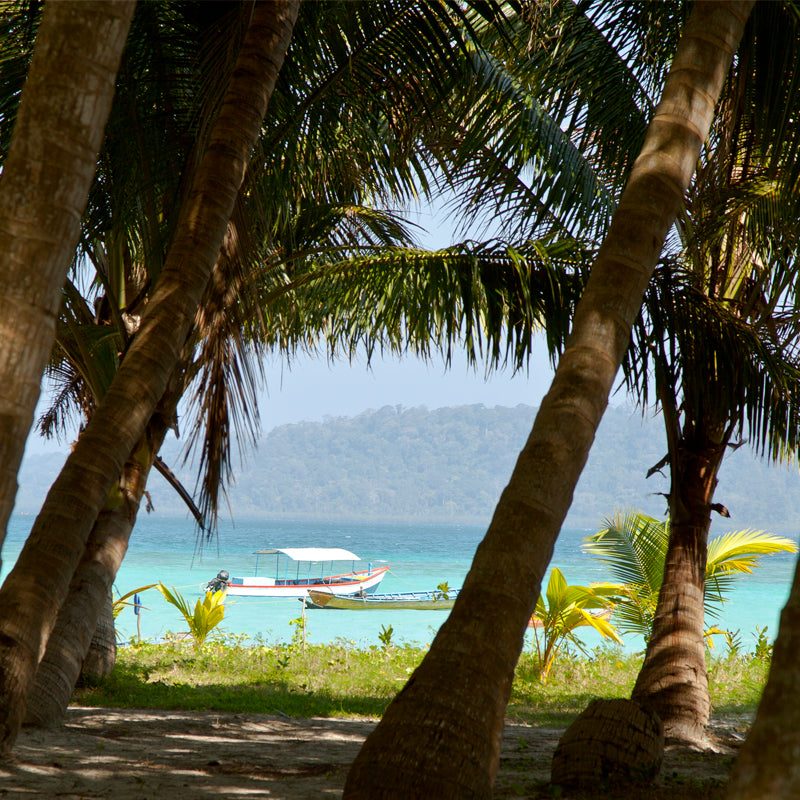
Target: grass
(240,675)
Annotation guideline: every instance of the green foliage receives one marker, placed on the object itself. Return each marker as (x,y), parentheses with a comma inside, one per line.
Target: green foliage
(208,613)
(733,643)
(340,681)
(300,632)
(566,609)
(763,649)
(385,636)
(634,546)
(442,591)
(122,602)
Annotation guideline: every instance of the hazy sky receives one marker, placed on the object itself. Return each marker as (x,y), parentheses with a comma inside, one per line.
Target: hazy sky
(312,389)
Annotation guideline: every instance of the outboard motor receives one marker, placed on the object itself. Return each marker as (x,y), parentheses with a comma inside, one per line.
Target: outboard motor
(220,583)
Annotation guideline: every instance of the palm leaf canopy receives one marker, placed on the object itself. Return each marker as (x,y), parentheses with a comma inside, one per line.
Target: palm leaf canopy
(717,335)
(633,545)
(363,88)
(490,299)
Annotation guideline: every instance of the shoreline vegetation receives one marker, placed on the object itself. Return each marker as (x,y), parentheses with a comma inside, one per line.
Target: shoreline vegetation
(236,674)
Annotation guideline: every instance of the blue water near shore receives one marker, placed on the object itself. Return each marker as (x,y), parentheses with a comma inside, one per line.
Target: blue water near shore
(420,557)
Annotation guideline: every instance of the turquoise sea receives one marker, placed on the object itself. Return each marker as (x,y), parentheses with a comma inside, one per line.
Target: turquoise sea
(420,557)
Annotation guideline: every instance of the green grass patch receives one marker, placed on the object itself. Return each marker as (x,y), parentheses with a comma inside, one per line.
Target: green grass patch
(338,680)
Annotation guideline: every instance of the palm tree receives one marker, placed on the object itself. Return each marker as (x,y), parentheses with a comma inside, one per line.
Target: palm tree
(563,609)
(118,423)
(44,188)
(716,339)
(125,238)
(440,736)
(721,337)
(306,282)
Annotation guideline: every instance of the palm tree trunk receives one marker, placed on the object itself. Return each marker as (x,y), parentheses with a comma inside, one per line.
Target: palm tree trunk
(101,657)
(440,737)
(45,185)
(89,593)
(60,533)
(768,766)
(673,681)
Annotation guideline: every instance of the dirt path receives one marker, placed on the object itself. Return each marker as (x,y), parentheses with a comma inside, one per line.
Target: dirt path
(175,755)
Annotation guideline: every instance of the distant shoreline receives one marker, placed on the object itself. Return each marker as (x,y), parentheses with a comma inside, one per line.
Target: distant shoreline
(449,466)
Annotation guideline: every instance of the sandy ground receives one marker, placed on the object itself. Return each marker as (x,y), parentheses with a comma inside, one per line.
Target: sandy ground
(154,755)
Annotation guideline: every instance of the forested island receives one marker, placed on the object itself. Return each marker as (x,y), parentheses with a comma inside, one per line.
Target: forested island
(450,465)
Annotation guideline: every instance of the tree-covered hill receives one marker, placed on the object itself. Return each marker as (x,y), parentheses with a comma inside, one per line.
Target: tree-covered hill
(450,465)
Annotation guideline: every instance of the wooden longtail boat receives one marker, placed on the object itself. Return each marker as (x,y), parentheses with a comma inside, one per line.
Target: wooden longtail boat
(419,601)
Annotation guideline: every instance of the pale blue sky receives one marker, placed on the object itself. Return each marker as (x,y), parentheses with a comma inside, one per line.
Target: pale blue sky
(313,389)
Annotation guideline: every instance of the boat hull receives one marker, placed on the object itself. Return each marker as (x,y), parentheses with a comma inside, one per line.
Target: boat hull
(411,601)
(352,583)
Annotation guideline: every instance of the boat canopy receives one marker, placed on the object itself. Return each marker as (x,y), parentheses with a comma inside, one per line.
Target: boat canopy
(312,553)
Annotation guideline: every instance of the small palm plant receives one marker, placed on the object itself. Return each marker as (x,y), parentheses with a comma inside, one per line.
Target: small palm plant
(442,591)
(634,546)
(208,611)
(121,603)
(566,608)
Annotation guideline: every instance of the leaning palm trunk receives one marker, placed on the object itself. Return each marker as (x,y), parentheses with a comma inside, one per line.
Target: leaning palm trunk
(101,657)
(69,649)
(673,681)
(768,765)
(45,186)
(440,737)
(59,535)
(89,593)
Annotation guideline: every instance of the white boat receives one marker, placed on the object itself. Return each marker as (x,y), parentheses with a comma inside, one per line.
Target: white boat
(298,569)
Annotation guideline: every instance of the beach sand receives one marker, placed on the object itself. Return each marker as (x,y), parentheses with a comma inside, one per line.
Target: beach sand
(178,755)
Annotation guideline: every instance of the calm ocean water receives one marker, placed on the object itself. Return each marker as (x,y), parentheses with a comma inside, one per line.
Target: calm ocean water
(420,557)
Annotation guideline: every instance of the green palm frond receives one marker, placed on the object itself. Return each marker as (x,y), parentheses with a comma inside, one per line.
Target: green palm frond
(490,299)
(563,609)
(509,162)
(734,554)
(206,615)
(634,546)
(18,26)
(739,551)
(720,364)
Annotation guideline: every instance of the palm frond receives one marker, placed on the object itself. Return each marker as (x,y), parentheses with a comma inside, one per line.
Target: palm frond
(489,298)
(634,546)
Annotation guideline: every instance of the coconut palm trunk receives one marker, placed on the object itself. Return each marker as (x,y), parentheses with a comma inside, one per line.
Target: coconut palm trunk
(44,190)
(101,656)
(767,766)
(673,680)
(59,535)
(90,589)
(82,619)
(440,737)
